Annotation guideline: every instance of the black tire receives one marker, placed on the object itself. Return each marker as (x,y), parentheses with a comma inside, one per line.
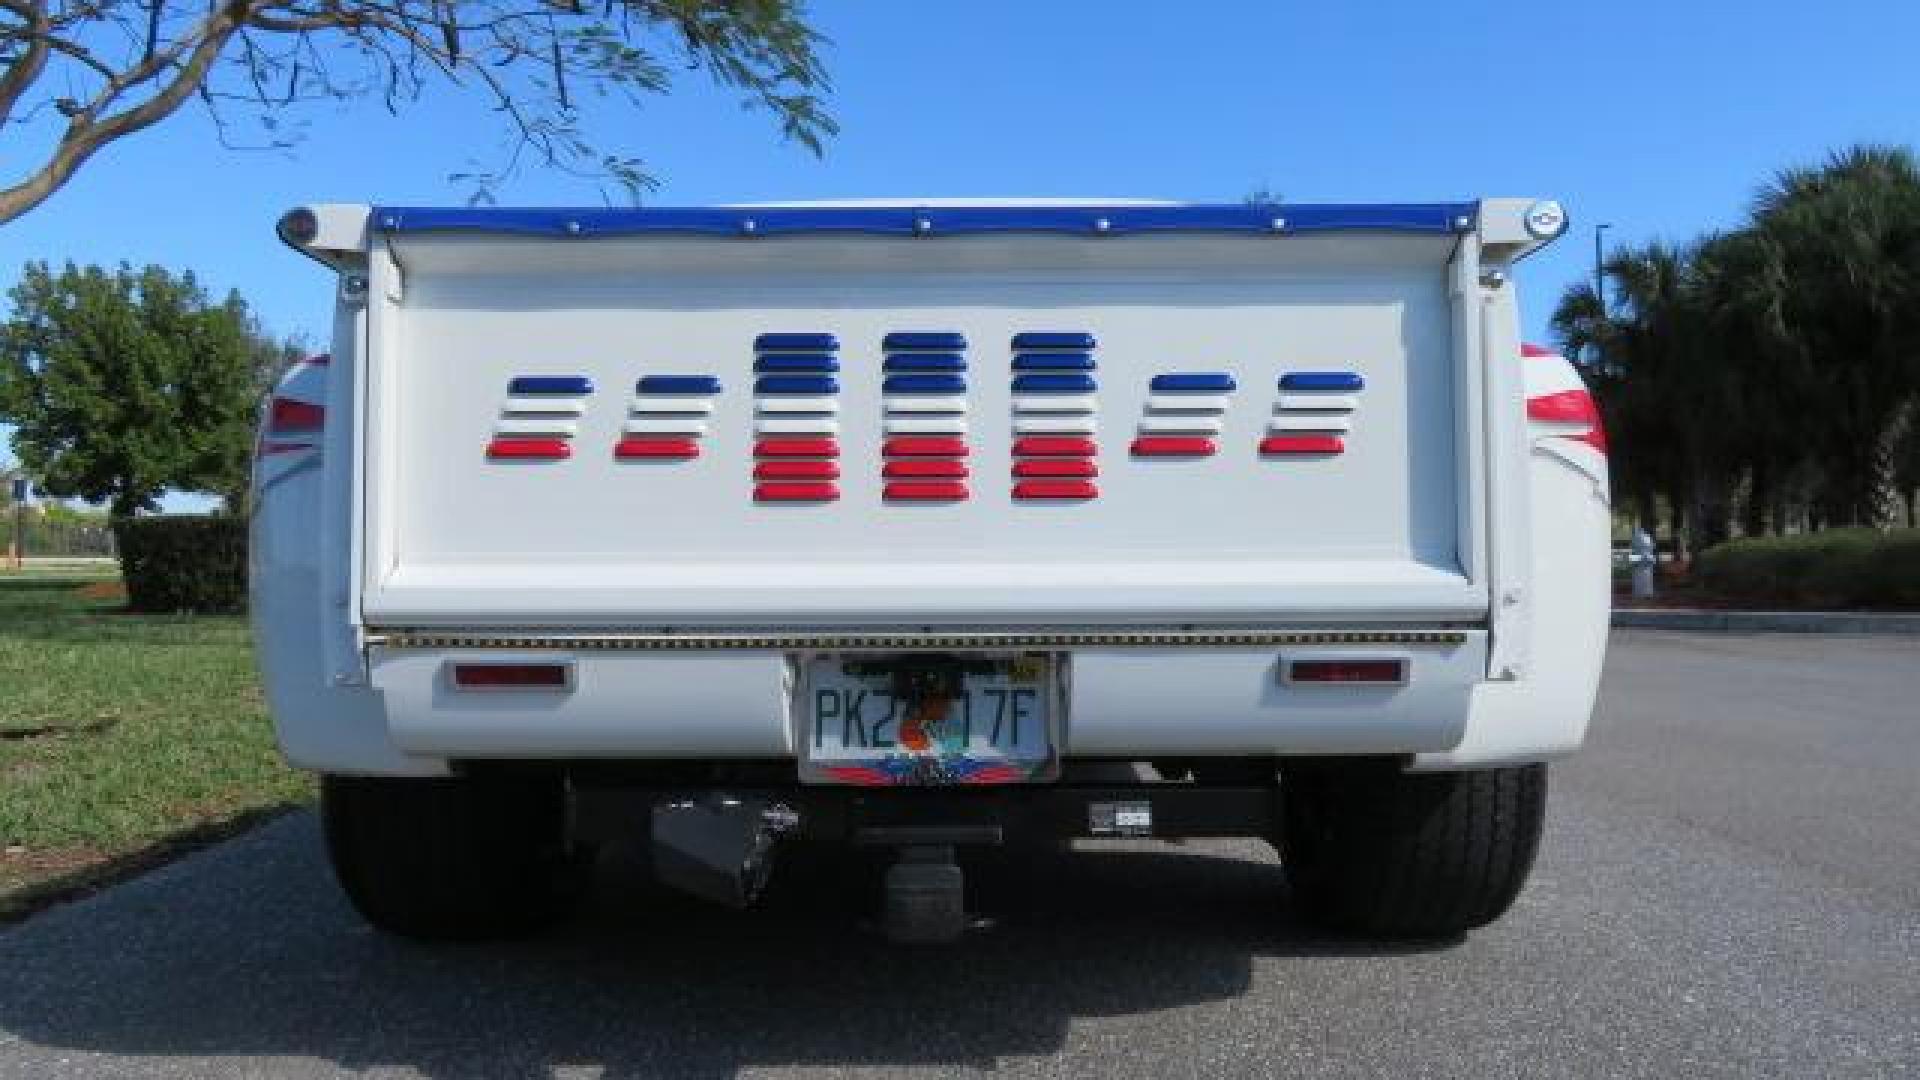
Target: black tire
(453,858)
(1369,849)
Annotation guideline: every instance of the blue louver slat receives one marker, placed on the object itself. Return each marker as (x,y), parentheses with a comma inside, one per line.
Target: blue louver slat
(550,384)
(1053,384)
(796,384)
(1193,382)
(1044,339)
(796,362)
(1332,381)
(926,362)
(1060,361)
(925,384)
(677,384)
(942,342)
(796,343)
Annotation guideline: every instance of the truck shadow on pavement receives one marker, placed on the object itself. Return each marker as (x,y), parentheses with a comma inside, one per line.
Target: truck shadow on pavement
(247,952)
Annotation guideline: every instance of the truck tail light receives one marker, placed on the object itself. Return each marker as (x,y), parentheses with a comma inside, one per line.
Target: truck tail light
(1570,407)
(512,676)
(1387,672)
(290,415)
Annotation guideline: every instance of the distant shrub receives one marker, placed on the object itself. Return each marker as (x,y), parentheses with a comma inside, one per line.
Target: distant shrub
(183,563)
(1837,568)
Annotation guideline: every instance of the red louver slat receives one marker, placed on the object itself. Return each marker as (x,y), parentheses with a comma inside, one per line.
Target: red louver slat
(927,490)
(1302,444)
(630,448)
(1055,489)
(1053,446)
(927,467)
(803,448)
(795,492)
(796,470)
(1173,446)
(1056,467)
(924,446)
(529,449)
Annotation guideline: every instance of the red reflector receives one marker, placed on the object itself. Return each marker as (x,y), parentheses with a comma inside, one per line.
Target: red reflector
(1055,467)
(796,470)
(1528,348)
(1053,446)
(1348,671)
(927,490)
(797,448)
(286,414)
(656,448)
(925,467)
(1173,446)
(510,676)
(1597,438)
(528,448)
(1302,444)
(1055,489)
(1565,407)
(795,492)
(925,446)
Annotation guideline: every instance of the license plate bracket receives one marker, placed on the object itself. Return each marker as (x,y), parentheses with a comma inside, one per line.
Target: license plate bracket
(929,719)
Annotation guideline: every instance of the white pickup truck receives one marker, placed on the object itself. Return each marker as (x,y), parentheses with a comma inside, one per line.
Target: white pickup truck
(925,526)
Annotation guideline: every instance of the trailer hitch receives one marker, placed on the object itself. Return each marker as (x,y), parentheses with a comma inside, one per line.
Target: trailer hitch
(718,847)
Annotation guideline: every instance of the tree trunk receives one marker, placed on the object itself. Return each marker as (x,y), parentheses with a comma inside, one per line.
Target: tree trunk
(1648,509)
(1753,520)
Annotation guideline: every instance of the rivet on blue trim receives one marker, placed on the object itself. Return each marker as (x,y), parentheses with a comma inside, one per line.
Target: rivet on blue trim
(550,384)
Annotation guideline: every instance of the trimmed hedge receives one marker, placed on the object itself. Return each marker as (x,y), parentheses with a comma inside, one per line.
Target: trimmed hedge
(1837,568)
(183,562)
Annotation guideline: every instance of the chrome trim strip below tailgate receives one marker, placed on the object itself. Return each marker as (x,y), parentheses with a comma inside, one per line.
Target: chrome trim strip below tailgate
(902,641)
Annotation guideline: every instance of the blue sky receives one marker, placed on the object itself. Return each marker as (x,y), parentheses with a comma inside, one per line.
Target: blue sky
(1659,118)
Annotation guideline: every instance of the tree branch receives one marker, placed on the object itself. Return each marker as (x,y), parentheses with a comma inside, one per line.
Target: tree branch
(25,69)
(85,135)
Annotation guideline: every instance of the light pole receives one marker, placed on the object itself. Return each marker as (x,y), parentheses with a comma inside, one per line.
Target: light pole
(1599,272)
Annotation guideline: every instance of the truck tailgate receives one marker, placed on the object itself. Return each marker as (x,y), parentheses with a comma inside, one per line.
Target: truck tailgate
(570,430)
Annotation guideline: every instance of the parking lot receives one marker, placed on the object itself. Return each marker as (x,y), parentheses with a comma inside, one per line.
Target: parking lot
(1730,886)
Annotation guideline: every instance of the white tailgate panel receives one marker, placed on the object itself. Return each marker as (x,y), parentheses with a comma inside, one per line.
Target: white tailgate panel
(1371,533)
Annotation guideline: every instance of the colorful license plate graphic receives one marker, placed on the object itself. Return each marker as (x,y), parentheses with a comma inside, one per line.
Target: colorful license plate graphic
(882,722)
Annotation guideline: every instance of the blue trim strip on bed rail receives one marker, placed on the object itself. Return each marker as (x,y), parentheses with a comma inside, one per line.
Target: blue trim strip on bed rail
(1433,218)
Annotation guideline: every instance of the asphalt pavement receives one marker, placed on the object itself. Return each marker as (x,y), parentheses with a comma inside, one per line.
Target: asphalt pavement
(1729,886)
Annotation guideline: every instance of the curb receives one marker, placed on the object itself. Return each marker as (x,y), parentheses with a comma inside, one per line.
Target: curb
(1770,622)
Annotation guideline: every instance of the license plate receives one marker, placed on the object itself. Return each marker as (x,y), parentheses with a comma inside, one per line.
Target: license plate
(901,721)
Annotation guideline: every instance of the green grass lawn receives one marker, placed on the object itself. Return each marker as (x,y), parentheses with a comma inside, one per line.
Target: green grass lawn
(121,735)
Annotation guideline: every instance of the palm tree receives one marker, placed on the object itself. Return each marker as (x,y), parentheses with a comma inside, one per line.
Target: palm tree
(1840,300)
(1640,359)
